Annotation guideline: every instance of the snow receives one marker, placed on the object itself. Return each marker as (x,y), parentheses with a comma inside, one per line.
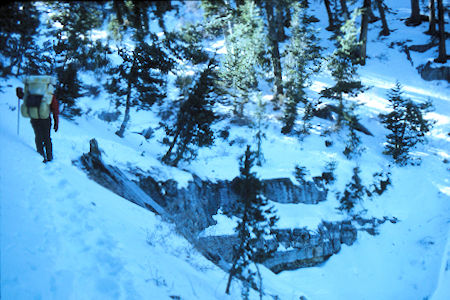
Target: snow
(65,237)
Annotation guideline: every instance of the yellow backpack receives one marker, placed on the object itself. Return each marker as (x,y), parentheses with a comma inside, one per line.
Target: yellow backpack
(38,95)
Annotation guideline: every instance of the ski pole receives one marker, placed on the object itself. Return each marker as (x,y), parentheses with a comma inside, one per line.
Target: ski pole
(18,114)
(19,94)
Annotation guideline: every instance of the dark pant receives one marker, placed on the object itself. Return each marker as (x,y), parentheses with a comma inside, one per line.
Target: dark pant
(41,129)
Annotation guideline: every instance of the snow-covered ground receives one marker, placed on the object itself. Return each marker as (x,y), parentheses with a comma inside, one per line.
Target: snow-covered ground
(65,237)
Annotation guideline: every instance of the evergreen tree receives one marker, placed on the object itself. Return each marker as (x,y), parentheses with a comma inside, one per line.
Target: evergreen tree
(19,22)
(255,225)
(343,66)
(74,50)
(406,124)
(140,77)
(301,173)
(354,192)
(353,146)
(218,16)
(301,61)
(240,69)
(195,116)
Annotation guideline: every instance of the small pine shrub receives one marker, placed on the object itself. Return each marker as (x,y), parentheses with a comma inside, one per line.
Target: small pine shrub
(406,124)
(354,192)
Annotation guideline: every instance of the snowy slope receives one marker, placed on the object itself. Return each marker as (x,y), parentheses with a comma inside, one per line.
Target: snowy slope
(65,237)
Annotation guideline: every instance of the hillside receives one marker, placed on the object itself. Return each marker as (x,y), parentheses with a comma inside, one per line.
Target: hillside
(63,236)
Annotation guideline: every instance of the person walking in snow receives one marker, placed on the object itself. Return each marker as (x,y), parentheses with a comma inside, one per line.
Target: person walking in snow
(38,108)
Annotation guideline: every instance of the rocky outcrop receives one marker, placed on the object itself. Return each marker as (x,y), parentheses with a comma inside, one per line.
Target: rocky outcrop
(114,179)
(298,248)
(203,199)
(282,190)
(327,111)
(191,208)
(427,72)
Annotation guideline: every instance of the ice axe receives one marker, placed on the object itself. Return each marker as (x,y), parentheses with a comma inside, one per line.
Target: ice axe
(19,93)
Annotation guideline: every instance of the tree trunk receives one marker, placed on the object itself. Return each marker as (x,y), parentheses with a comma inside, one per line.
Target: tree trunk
(330,15)
(166,157)
(372,17)
(126,117)
(230,277)
(415,18)
(442,58)
(385,31)
(364,30)
(117,8)
(432,18)
(181,149)
(345,9)
(274,52)
(280,20)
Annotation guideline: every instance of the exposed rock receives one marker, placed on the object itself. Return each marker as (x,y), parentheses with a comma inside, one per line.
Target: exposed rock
(109,116)
(326,111)
(203,199)
(114,179)
(427,72)
(371,225)
(305,248)
(191,209)
(282,190)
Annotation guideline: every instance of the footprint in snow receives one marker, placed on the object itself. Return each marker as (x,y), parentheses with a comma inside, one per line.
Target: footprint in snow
(108,287)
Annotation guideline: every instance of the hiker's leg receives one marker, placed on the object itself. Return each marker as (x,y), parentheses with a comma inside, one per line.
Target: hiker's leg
(38,139)
(46,128)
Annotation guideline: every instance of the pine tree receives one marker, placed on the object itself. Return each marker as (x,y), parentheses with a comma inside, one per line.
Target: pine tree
(353,146)
(217,15)
(240,68)
(301,61)
(406,124)
(354,192)
(195,116)
(256,221)
(19,22)
(74,50)
(343,66)
(300,174)
(141,76)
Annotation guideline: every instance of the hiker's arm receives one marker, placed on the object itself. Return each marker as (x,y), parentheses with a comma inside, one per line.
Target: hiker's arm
(19,92)
(54,106)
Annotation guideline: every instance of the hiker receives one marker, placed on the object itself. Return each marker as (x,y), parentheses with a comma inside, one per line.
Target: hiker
(38,103)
